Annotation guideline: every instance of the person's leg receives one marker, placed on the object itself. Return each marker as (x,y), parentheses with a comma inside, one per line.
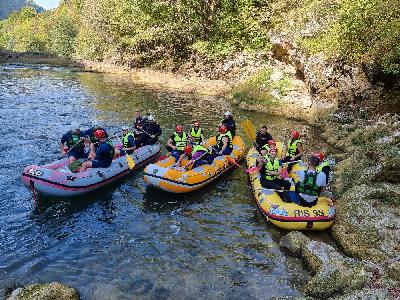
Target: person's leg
(283,183)
(85,165)
(269,184)
(176,154)
(227,151)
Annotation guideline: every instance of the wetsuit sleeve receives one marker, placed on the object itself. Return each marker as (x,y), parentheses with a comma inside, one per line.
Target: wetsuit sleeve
(131,141)
(159,131)
(65,138)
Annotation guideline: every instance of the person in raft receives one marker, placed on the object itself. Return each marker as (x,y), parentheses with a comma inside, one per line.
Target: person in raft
(177,142)
(91,138)
(150,131)
(196,134)
(128,142)
(73,144)
(229,123)
(324,165)
(262,138)
(104,154)
(267,148)
(310,184)
(271,169)
(224,144)
(198,156)
(294,150)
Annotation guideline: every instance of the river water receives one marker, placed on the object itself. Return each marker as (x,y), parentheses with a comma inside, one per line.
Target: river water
(126,240)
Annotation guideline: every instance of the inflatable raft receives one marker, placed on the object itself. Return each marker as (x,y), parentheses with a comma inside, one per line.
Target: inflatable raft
(162,175)
(289,216)
(55,179)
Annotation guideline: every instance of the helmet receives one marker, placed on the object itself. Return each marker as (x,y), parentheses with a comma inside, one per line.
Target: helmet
(150,118)
(125,127)
(188,149)
(94,124)
(295,134)
(222,129)
(227,113)
(100,134)
(179,128)
(75,126)
(271,142)
(320,155)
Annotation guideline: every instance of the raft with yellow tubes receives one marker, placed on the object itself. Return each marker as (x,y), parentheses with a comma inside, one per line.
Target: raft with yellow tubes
(289,216)
(162,174)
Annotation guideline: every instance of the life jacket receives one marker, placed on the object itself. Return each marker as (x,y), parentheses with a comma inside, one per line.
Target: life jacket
(292,148)
(196,135)
(125,140)
(180,142)
(228,134)
(197,148)
(271,167)
(323,164)
(309,185)
(73,140)
(109,154)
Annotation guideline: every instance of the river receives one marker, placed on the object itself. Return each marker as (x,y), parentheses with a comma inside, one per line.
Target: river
(126,240)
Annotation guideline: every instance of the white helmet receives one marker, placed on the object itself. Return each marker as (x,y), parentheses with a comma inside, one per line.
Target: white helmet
(124,127)
(75,126)
(227,113)
(150,118)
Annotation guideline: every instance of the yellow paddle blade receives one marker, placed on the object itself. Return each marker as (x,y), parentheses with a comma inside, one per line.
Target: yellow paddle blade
(249,129)
(130,161)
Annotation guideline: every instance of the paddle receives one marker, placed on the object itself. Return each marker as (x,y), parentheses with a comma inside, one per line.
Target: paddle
(249,129)
(69,150)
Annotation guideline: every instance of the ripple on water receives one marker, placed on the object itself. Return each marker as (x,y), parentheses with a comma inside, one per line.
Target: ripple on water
(127,240)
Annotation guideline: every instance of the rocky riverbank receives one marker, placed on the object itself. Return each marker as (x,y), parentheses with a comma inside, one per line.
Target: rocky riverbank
(355,111)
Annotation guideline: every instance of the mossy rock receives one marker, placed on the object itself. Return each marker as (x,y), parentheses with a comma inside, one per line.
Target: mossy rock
(293,243)
(336,276)
(46,291)
(394,270)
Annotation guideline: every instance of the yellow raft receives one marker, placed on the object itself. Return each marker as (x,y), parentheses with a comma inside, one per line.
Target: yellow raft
(289,216)
(163,176)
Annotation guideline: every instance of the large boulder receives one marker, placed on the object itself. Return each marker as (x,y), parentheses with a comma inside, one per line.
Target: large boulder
(334,272)
(45,291)
(293,243)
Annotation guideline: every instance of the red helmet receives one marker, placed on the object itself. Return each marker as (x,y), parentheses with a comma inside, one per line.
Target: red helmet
(179,128)
(320,155)
(271,142)
(100,134)
(188,149)
(222,129)
(295,134)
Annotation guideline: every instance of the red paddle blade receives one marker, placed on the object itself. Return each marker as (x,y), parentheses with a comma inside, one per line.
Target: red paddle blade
(284,173)
(252,169)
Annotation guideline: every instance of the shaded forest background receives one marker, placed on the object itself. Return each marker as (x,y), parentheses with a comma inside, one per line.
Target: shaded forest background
(148,32)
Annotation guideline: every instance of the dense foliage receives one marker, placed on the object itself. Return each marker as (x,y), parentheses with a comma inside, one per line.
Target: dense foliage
(145,32)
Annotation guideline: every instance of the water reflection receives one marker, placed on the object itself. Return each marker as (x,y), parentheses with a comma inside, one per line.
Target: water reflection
(127,240)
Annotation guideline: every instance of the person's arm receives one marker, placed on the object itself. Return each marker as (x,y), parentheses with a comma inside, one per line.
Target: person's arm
(170,144)
(62,144)
(225,144)
(300,149)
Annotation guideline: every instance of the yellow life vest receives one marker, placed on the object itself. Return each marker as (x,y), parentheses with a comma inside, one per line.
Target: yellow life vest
(180,142)
(324,163)
(271,167)
(196,135)
(125,140)
(292,148)
(219,140)
(199,148)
